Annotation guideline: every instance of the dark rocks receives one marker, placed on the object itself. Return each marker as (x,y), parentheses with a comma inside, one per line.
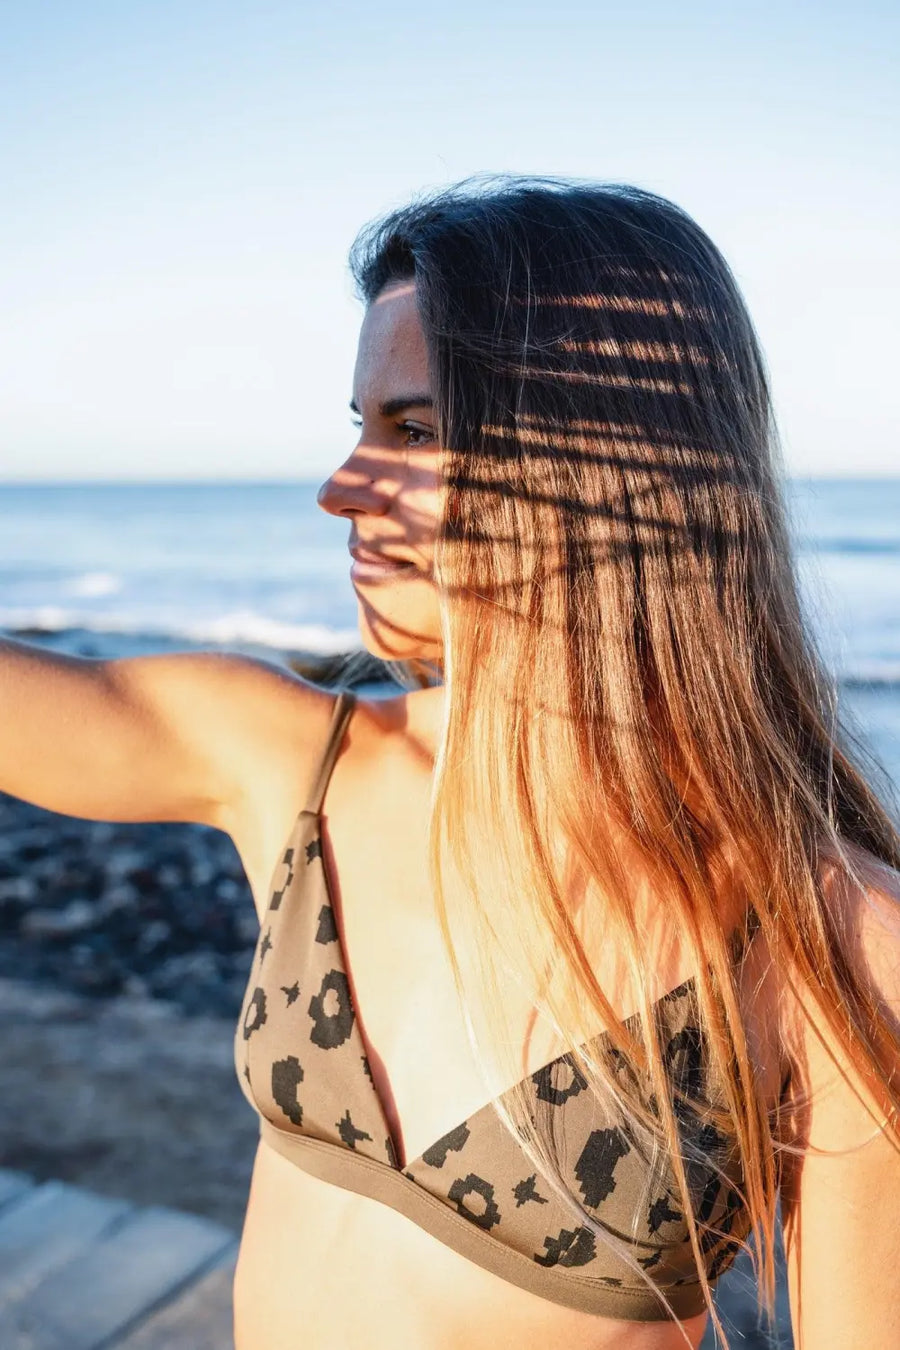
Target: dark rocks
(102,908)
(56,925)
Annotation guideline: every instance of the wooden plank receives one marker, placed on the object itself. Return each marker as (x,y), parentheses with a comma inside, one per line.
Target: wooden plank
(200,1318)
(44,1228)
(12,1185)
(129,1270)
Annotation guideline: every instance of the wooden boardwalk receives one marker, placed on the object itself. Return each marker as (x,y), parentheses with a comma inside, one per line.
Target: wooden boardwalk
(80,1271)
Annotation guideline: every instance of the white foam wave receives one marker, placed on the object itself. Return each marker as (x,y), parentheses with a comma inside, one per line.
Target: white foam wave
(94,585)
(869,670)
(240,627)
(246,626)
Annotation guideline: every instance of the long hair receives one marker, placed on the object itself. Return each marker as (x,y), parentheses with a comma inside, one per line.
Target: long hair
(634,706)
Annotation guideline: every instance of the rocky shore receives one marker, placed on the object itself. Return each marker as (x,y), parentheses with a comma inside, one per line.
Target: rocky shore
(161,911)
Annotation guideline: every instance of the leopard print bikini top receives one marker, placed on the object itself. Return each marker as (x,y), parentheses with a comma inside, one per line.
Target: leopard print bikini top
(302,1063)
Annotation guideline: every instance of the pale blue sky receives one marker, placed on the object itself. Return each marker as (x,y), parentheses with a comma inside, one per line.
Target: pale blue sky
(182,180)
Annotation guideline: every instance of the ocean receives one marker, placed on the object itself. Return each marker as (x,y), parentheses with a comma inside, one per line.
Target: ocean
(124,568)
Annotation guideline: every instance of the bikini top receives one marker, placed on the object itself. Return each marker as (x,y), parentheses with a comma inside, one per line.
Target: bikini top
(301,1062)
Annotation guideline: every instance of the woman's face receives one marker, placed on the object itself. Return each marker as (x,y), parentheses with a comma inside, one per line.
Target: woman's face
(389,487)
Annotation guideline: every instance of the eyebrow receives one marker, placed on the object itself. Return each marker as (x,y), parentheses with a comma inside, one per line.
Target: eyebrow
(392,406)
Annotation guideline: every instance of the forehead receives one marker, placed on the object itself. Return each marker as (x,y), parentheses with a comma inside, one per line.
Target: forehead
(392,349)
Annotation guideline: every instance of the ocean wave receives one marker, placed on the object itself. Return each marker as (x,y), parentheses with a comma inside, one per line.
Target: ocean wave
(870,671)
(887,547)
(93,585)
(240,627)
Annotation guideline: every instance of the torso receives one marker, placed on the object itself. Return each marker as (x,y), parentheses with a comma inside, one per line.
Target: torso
(323,1268)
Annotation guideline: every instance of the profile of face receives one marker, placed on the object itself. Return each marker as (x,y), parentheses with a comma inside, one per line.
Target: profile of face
(389,487)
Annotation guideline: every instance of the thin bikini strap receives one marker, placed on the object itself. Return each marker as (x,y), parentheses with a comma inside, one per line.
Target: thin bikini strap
(742,937)
(340,716)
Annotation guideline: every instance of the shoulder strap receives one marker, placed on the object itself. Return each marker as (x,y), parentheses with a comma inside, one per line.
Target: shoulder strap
(340,716)
(743,936)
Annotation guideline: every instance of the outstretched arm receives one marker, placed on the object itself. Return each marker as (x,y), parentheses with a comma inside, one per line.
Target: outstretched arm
(168,737)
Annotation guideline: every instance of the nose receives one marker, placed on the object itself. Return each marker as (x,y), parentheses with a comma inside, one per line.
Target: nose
(354,488)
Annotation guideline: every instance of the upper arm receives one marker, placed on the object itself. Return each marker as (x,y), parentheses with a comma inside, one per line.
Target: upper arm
(187,736)
(841,1198)
(204,731)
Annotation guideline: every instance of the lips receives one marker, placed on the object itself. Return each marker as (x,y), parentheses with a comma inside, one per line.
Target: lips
(377,559)
(372,566)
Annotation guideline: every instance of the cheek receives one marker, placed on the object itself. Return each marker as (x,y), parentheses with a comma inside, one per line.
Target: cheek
(421,505)
(401,617)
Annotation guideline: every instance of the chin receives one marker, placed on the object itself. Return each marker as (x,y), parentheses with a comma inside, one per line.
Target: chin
(401,651)
(397,640)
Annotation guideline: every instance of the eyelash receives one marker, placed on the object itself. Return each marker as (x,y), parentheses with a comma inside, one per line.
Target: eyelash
(409,428)
(417,431)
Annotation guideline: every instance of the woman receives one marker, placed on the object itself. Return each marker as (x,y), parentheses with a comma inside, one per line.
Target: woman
(576,951)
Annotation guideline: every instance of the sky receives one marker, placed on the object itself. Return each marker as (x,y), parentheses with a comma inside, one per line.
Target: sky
(182,182)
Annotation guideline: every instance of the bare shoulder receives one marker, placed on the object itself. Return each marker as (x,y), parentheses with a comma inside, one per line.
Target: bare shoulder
(872,910)
(865,911)
(841,1185)
(275,750)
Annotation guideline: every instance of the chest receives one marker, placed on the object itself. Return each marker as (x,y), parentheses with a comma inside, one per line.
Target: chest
(356,936)
(353,1047)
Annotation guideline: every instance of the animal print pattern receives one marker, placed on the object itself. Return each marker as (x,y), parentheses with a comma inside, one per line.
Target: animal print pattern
(302,1064)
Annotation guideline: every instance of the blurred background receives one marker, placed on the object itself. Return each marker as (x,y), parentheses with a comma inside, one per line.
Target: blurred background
(177,332)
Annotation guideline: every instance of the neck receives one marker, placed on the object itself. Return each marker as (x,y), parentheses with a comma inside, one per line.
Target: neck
(416,716)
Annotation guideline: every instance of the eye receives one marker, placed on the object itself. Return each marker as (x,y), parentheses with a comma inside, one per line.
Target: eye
(415,435)
(356,422)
